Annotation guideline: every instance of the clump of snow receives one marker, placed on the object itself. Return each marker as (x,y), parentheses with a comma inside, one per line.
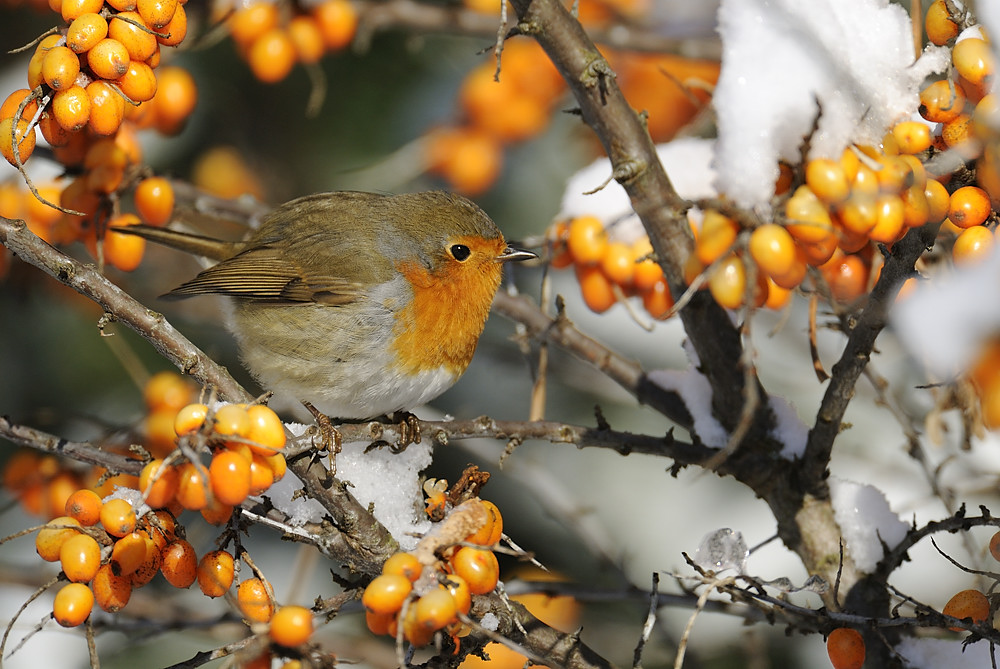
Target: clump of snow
(490,622)
(722,550)
(696,393)
(687,162)
(944,322)
(785,62)
(789,430)
(925,653)
(133,497)
(865,521)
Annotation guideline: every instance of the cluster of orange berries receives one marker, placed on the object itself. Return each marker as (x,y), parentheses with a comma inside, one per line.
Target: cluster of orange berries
(427,598)
(495,112)
(272,46)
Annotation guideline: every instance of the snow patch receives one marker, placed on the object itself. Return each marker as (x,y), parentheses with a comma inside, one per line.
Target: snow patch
(865,521)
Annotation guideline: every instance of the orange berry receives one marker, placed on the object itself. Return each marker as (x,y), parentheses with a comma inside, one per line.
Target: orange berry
(272,56)
(71,9)
(138,83)
(72,604)
(716,236)
(111,592)
(858,214)
(848,278)
(938,201)
(254,601)
(478,567)
(809,220)
(618,263)
(216,513)
(108,58)
(587,241)
(190,418)
(132,32)
(107,108)
(889,223)
(386,593)
(151,563)
(967,604)
(252,21)
(307,38)
(436,609)
(773,249)
(973,60)
(167,390)
(50,539)
(995,546)
(19,134)
(118,517)
(154,200)
(261,475)
(60,67)
(916,210)
(128,554)
(647,273)
(85,32)
(175,31)
(468,158)
(459,589)
(497,532)
(277,465)
(941,101)
(378,623)
(158,483)
(192,487)
(969,206)
(972,246)
(657,301)
(846,648)
(84,506)
(231,420)
(230,477)
(955,132)
(291,626)
(403,564)
(10,105)
(827,179)
(266,431)
(912,137)
(175,99)
(123,251)
(728,282)
(156,13)
(215,573)
(598,293)
(71,108)
(80,558)
(338,22)
(180,564)
(938,24)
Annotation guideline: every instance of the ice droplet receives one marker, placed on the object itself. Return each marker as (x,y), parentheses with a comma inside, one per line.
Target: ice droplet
(721,550)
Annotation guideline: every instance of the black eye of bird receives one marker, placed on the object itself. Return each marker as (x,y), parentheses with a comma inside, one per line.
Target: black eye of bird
(460,252)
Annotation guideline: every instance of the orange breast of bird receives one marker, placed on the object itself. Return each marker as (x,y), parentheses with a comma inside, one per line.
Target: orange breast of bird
(441,325)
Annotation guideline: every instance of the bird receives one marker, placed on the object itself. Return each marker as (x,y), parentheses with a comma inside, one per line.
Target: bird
(360,304)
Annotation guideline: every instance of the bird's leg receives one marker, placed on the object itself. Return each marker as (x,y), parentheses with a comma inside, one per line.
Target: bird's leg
(331,440)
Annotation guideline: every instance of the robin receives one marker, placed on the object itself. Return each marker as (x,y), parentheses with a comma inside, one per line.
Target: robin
(362,304)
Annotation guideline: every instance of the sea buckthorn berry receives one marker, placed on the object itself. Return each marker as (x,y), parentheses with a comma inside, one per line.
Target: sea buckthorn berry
(403,564)
(597,291)
(19,134)
(912,137)
(129,29)
(250,22)
(657,301)
(86,31)
(955,132)
(111,592)
(938,201)
(216,513)
(9,107)
(386,593)
(60,67)
(618,263)
(291,626)
(727,283)
(190,418)
(941,101)
(846,648)
(378,623)
(138,83)
(459,589)
(108,58)
(261,475)
(938,23)
(972,246)
(995,546)
(808,218)
(154,200)
(73,604)
(71,108)
(587,240)
(123,251)
(307,38)
(272,56)
(158,483)
(128,554)
(166,390)
(71,9)
(50,539)
(436,609)
(175,31)
(858,214)
(107,108)
(266,431)
(848,278)
(338,22)
(478,567)
(773,249)
(156,13)
(84,506)
(80,558)
(192,487)
(889,223)
(176,97)
(254,601)
(469,158)
(150,565)
(969,206)
(647,272)
(916,210)
(118,517)
(973,60)
(231,420)
(716,236)
(215,573)
(180,564)
(277,464)
(967,604)
(894,174)
(826,178)
(230,477)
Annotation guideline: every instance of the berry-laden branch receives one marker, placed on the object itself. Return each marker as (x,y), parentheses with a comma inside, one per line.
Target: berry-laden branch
(636,167)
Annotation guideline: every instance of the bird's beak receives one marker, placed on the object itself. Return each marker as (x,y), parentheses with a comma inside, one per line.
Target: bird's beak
(510,254)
